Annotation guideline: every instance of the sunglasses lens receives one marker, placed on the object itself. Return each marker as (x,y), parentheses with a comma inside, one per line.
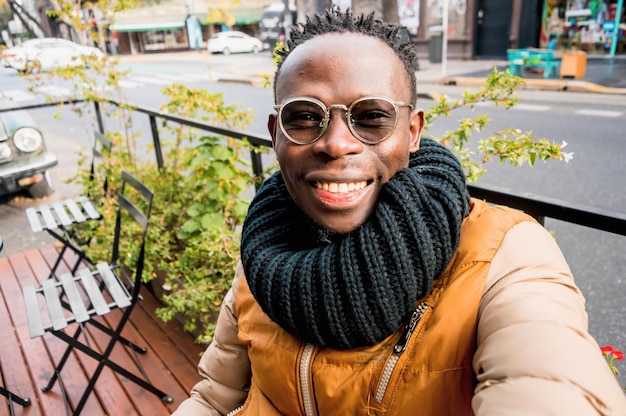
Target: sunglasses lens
(373,119)
(302,121)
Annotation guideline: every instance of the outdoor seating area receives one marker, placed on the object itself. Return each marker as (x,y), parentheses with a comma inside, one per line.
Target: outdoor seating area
(521,60)
(27,364)
(59,218)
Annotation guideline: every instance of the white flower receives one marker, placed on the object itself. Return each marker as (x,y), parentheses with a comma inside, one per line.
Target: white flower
(567,156)
(563,144)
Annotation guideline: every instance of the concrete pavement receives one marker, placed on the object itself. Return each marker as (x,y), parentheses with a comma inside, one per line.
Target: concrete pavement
(603,75)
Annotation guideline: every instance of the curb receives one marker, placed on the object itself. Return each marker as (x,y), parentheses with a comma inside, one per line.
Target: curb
(539,84)
(259,80)
(430,95)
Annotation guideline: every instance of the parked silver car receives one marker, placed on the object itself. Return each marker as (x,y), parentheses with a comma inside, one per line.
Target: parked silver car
(24,159)
(43,54)
(234,41)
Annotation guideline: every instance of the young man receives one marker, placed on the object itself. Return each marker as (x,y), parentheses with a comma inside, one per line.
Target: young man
(370,282)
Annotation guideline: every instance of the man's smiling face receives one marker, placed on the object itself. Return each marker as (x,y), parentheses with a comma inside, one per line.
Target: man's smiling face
(337,179)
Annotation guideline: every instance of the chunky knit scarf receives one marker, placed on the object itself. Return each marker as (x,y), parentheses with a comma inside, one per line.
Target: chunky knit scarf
(355,289)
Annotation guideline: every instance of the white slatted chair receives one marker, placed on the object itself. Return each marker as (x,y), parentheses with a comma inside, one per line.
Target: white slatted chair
(77,299)
(59,218)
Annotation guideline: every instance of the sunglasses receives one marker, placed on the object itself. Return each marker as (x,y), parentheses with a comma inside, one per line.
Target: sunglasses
(372,119)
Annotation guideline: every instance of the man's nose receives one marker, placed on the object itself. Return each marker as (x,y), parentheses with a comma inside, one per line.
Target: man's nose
(338,139)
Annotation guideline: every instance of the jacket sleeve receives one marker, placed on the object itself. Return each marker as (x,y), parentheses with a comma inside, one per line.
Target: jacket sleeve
(534,354)
(224,366)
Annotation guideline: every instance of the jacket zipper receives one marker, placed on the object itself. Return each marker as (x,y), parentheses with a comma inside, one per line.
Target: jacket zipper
(235,411)
(305,370)
(398,349)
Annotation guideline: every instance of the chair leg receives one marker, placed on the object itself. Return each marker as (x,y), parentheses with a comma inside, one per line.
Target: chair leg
(103,360)
(25,402)
(120,338)
(61,363)
(67,240)
(109,332)
(57,262)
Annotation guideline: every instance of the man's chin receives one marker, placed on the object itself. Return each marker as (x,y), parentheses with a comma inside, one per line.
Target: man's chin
(328,232)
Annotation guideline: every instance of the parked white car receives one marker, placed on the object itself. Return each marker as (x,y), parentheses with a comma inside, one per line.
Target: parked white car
(233,41)
(43,54)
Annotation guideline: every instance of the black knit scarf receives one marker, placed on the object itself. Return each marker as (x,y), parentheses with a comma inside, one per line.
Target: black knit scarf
(352,290)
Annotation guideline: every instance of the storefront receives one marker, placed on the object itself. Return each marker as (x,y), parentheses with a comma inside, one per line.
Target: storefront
(243,19)
(171,29)
(151,35)
(596,26)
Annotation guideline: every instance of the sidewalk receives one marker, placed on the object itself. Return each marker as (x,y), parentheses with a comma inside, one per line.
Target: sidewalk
(604,75)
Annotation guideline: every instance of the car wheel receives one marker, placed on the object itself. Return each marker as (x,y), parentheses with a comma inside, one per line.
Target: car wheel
(255,49)
(41,189)
(226,51)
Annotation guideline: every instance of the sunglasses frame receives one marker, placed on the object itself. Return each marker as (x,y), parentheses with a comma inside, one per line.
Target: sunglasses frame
(348,111)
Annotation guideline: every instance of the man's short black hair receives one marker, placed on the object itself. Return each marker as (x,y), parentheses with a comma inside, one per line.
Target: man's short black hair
(337,21)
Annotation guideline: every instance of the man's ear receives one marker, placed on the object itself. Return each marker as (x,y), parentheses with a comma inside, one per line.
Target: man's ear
(271,127)
(415,129)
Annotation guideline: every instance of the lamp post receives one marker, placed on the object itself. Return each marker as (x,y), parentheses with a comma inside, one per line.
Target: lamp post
(287,21)
(618,17)
(444,38)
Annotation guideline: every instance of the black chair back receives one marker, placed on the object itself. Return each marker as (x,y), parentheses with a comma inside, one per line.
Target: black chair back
(134,202)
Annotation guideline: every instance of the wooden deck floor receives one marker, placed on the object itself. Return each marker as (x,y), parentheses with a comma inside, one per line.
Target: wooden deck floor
(27,364)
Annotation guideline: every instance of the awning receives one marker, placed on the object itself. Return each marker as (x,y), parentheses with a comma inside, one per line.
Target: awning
(148,24)
(243,16)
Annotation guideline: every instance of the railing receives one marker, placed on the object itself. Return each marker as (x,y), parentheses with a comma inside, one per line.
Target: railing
(538,206)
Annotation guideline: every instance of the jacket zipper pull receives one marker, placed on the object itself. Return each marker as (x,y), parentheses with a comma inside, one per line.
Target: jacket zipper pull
(409,328)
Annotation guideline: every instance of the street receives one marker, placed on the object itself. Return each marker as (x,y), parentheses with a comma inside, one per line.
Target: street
(592,125)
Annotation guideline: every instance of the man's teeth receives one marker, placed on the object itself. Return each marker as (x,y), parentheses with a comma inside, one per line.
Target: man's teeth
(340,187)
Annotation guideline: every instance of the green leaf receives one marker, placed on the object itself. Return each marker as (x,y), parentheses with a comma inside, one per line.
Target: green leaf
(212,220)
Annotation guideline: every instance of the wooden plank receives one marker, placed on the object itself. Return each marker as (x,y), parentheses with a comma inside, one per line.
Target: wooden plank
(93,292)
(48,218)
(33,313)
(74,377)
(109,389)
(89,208)
(61,213)
(33,220)
(154,367)
(14,368)
(76,212)
(180,351)
(74,298)
(35,350)
(120,297)
(55,309)
(174,331)
(168,362)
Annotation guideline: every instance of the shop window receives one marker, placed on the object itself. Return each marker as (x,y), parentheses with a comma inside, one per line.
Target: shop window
(587,25)
(165,39)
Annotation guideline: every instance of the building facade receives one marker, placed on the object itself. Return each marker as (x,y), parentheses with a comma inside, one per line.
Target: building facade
(475,28)
(487,28)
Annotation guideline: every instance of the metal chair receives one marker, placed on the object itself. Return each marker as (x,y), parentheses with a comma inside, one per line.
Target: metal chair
(59,219)
(95,291)
(6,393)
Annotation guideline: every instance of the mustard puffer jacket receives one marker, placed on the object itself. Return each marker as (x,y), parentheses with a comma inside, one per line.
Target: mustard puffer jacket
(503,331)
